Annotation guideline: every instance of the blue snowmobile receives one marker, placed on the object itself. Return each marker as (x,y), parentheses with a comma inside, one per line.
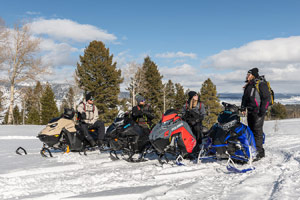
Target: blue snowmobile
(230,140)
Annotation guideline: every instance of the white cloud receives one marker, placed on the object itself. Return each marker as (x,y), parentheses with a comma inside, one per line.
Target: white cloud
(258,53)
(65,29)
(278,59)
(32,13)
(64,74)
(178,54)
(57,54)
(182,70)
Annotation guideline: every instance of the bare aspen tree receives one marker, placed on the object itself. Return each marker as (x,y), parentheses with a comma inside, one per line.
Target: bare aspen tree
(132,78)
(21,60)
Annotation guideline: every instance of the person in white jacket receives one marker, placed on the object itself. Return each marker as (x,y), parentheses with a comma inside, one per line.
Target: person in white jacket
(88,116)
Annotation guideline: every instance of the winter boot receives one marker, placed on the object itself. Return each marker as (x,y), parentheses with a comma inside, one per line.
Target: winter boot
(260,155)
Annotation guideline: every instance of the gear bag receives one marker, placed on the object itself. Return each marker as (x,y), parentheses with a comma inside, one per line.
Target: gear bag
(263,80)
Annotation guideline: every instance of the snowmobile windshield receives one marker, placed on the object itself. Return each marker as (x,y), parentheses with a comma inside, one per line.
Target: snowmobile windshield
(228,125)
(54,120)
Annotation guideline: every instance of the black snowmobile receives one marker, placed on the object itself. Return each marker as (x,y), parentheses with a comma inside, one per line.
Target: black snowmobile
(63,134)
(126,137)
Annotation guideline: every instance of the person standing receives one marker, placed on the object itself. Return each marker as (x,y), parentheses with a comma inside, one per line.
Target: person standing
(194,112)
(142,114)
(256,103)
(89,120)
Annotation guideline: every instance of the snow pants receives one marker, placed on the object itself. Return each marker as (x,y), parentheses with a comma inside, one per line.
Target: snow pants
(256,124)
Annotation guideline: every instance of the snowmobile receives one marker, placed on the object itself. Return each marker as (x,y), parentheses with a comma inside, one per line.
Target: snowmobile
(172,136)
(126,137)
(230,140)
(63,134)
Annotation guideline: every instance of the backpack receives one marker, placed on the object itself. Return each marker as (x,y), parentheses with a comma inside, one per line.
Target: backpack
(263,80)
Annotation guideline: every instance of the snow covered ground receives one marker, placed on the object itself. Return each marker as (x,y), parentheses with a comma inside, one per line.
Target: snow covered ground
(74,176)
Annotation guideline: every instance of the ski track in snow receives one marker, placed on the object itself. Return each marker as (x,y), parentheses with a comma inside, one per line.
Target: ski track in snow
(74,176)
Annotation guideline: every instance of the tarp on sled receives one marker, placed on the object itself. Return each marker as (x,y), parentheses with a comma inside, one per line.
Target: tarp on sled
(171,126)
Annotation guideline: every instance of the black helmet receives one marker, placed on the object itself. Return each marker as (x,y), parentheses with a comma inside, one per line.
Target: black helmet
(69,113)
(230,107)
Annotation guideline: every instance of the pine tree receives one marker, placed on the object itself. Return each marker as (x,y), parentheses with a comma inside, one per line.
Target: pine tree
(32,104)
(169,95)
(37,92)
(70,98)
(49,108)
(211,101)
(124,104)
(278,111)
(180,98)
(33,117)
(97,73)
(5,118)
(64,104)
(17,115)
(153,83)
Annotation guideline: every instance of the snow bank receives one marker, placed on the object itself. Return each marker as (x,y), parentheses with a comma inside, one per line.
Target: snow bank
(73,176)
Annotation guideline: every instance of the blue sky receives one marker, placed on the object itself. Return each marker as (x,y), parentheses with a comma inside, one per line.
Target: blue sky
(190,41)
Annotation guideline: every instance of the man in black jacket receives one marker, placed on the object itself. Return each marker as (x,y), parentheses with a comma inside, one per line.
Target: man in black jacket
(256,102)
(142,114)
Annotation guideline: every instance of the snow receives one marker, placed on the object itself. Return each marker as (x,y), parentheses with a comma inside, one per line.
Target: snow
(74,176)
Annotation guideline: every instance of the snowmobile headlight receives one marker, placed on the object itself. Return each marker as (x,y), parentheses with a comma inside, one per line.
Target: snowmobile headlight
(53,125)
(56,135)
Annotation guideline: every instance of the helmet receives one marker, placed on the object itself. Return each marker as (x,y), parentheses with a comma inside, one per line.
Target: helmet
(68,113)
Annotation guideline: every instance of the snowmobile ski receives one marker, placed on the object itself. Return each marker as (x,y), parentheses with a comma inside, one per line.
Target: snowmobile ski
(233,169)
(179,161)
(21,153)
(113,155)
(44,151)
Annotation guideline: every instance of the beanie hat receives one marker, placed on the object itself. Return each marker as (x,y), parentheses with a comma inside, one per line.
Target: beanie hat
(89,96)
(139,98)
(254,72)
(191,94)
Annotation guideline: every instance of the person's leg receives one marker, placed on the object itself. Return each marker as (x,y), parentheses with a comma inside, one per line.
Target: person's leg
(256,123)
(197,130)
(258,128)
(99,125)
(85,131)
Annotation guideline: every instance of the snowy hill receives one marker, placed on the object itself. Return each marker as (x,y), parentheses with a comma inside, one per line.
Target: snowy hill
(74,176)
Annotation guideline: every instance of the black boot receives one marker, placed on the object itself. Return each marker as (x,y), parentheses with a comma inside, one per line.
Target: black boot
(260,155)
(101,144)
(92,142)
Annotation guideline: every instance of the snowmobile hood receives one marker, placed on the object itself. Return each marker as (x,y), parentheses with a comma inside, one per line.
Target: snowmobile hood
(56,127)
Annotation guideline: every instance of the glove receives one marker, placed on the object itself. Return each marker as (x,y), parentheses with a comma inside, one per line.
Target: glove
(243,109)
(83,115)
